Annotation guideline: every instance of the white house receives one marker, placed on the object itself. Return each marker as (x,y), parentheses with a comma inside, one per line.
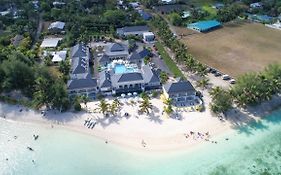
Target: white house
(50,42)
(59,56)
(148,37)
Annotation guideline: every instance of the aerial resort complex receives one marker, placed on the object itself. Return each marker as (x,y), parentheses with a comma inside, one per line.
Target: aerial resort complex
(142,87)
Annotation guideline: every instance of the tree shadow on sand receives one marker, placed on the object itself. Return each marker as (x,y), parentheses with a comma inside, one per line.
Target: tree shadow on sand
(106,121)
(244,122)
(154,118)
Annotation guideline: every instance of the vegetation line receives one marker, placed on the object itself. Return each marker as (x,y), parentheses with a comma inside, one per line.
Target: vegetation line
(168,61)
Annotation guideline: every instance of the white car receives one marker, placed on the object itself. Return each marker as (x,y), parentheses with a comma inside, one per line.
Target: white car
(232,81)
(225,77)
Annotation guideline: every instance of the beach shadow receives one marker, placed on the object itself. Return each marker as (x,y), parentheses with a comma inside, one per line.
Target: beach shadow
(154,118)
(106,121)
(58,117)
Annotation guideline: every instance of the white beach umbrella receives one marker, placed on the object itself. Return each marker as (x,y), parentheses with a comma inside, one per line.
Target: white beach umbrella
(123,95)
(135,93)
(129,94)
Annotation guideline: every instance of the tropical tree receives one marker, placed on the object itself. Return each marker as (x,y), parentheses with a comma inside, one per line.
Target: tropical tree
(103,106)
(221,101)
(203,83)
(113,108)
(117,102)
(85,99)
(168,109)
(168,101)
(215,91)
(163,77)
(145,106)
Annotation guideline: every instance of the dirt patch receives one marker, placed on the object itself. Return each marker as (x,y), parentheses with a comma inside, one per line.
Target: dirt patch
(236,48)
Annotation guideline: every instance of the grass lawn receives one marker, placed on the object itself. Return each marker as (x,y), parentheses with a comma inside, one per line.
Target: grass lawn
(210,10)
(237,48)
(168,61)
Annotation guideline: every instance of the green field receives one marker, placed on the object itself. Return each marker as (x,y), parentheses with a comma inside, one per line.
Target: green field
(168,61)
(210,10)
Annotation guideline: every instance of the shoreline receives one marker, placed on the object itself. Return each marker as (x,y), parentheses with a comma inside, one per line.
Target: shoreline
(167,135)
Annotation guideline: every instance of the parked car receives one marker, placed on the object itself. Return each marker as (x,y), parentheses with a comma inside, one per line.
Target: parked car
(225,77)
(213,71)
(217,74)
(232,81)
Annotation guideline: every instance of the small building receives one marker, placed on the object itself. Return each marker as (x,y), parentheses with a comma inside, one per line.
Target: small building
(56,27)
(58,4)
(134,4)
(17,40)
(261,18)
(180,91)
(185,14)
(256,5)
(170,8)
(132,30)
(59,56)
(148,37)
(145,15)
(50,42)
(276,25)
(218,6)
(204,26)
(168,1)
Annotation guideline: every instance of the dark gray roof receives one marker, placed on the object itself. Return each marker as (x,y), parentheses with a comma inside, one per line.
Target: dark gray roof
(117,47)
(135,56)
(134,76)
(79,50)
(123,30)
(139,55)
(104,79)
(104,58)
(178,87)
(81,83)
(149,75)
(79,59)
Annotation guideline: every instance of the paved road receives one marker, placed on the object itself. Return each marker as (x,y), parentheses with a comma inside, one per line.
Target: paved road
(39,30)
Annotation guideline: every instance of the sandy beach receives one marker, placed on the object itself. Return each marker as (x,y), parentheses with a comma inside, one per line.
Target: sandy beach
(152,132)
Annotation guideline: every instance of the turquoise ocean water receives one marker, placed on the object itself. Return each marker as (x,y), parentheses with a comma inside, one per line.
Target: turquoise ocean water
(255,149)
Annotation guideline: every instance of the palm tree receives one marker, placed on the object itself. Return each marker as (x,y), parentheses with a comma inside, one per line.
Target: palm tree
(85,99)
(215,91)
(168,101)
(203,83)
(145,106)
(117,102)
(113,108)
(103,106)
(168,109)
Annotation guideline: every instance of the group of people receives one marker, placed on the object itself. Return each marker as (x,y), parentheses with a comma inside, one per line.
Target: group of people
(197,135)
(89,123)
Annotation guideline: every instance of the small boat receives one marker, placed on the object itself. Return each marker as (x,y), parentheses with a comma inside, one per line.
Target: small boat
(30,149)
(35,137)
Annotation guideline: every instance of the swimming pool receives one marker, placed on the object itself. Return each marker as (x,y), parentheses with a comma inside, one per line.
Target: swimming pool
(121,68)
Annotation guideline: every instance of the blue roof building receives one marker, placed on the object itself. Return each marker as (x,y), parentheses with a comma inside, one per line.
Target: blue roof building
(145,15)
(204,26)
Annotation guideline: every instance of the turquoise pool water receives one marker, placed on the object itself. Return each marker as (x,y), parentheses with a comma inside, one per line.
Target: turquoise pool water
(255,149)
(121,68)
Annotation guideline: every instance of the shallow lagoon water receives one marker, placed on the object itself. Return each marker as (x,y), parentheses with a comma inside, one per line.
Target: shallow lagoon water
(255,149)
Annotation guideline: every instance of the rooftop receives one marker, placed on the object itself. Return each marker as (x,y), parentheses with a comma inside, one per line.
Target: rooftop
(204,25)
(50,42)
(132,29)
(180,86)
(56,25)
(87,82)
(59,56)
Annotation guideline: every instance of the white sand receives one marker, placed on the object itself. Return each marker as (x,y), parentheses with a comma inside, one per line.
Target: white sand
(158,132)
